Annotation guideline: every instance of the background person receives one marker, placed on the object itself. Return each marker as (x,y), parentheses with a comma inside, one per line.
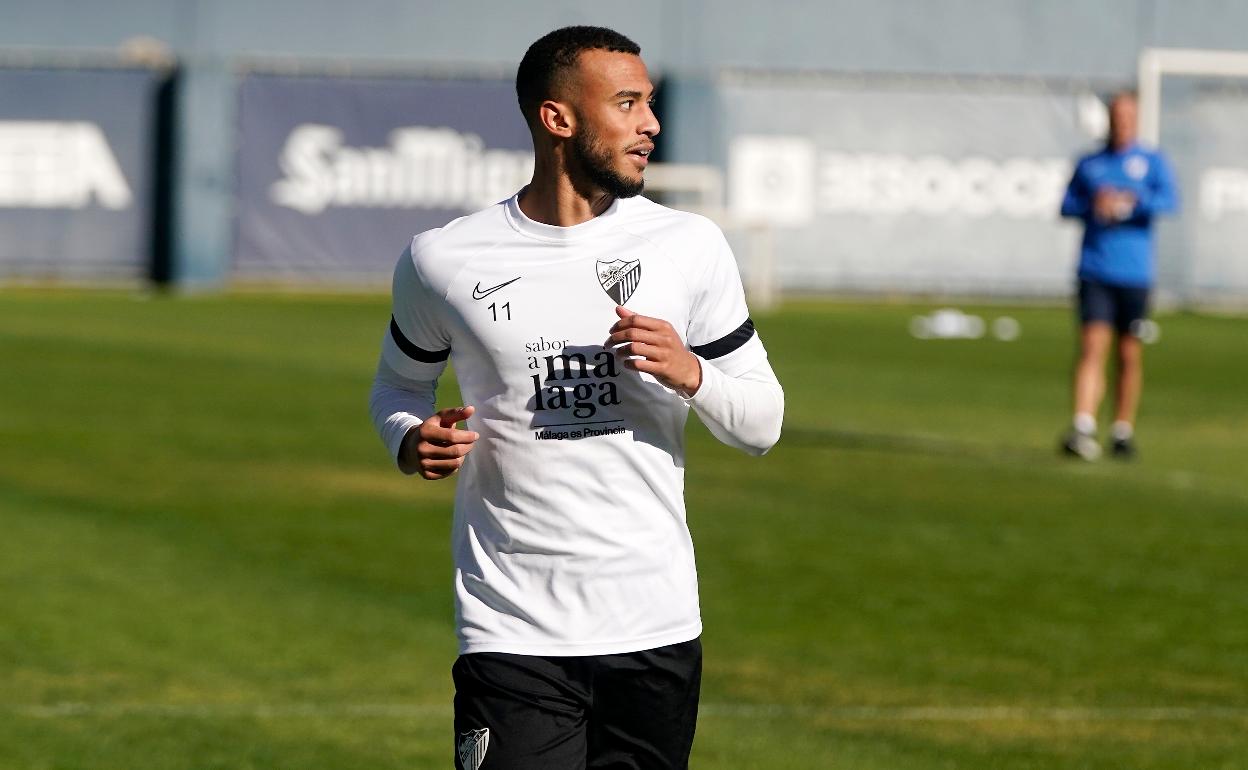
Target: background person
(1116,192)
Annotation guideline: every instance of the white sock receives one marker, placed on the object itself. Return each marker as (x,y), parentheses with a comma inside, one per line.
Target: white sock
(1122,430)
(1085,423)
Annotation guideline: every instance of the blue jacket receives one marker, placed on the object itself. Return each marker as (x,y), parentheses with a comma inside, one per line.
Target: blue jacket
(1121,253)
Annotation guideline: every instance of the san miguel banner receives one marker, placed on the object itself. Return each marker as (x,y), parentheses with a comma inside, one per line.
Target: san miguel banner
(76,172)
(335,175)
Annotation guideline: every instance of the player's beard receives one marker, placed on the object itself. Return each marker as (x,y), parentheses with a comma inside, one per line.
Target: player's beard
(596,162)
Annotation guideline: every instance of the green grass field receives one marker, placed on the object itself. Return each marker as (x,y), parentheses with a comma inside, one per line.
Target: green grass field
(207,560)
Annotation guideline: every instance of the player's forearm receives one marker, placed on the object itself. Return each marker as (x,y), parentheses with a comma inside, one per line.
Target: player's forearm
(1159,201)
(745,412)
(1074,208)
(1076,203)
(397,406)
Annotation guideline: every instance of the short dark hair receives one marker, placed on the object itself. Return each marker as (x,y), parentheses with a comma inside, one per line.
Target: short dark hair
(549,59)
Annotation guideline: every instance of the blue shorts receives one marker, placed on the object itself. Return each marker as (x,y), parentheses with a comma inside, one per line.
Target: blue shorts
(1122,307)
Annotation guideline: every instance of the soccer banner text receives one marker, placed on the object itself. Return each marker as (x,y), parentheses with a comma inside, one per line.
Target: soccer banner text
(894,184)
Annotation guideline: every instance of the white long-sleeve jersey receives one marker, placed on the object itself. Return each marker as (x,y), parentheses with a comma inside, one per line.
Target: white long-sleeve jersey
(569,535)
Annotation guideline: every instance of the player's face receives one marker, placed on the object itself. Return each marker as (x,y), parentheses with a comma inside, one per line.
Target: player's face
(616,124)
(1122,121)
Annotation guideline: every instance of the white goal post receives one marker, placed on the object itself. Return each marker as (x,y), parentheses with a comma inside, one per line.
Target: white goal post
(1156,63)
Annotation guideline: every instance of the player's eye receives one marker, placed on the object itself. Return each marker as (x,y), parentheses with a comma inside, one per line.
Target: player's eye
(627,104)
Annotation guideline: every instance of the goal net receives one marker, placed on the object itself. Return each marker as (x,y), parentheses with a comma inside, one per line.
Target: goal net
(1194,105)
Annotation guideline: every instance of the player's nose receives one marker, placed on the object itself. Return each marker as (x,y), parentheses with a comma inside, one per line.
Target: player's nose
(650,123)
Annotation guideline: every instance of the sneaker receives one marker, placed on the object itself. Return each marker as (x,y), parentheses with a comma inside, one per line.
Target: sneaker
(1123,448)
(1081,445)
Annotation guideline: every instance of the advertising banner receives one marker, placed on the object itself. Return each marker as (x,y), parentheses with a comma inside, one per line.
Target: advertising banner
(77,172)
(335,175)
(910,185)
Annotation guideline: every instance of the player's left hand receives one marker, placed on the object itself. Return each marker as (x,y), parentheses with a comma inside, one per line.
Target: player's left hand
(652,346)
(1125,204)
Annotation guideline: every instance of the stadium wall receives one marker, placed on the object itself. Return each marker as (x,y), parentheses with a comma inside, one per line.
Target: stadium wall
(692,43)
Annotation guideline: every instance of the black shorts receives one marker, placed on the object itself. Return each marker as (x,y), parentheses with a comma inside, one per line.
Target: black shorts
(522,712)
(1122,307)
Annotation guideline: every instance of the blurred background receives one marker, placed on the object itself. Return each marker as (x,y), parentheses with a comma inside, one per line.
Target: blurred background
(207,560)
(878,147)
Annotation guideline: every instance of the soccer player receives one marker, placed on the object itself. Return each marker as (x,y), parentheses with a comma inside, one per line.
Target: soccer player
(1117,192)
(584,322)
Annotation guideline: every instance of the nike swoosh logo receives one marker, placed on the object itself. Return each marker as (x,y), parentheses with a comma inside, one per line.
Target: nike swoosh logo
(479,293)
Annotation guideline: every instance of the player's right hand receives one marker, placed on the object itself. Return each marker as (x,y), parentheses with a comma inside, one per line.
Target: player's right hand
(437,448)
(1111,205)
(1104,204)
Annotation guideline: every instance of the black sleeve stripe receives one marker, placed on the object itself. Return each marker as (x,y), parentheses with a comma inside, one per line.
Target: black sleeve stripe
(727,343)
(414,351)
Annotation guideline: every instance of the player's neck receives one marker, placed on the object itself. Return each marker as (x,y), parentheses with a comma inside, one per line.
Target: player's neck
(553,198)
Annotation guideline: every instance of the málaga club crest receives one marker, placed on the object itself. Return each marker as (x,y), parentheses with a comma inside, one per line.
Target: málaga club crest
(619,278)
(472,747)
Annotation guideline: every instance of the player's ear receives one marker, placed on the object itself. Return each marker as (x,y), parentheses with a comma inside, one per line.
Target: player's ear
(556,118)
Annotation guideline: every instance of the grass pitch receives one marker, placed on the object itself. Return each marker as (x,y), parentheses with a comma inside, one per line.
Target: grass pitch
(207,560)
